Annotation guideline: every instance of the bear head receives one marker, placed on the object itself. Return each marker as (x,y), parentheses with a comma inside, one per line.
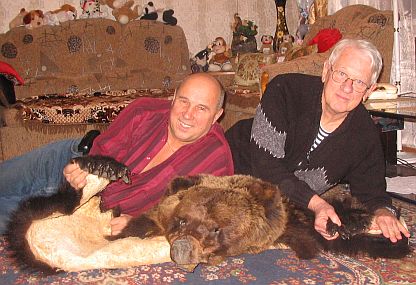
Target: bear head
(206,218)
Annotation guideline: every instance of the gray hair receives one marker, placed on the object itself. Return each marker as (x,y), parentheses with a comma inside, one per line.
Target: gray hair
(364,46)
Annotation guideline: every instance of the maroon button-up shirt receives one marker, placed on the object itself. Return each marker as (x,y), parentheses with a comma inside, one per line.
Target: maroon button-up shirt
(136,136)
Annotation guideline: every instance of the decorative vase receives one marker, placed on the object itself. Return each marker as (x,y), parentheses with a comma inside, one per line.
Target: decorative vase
(281,26)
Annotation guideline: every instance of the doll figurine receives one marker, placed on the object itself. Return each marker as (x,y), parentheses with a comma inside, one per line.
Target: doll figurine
(220,60)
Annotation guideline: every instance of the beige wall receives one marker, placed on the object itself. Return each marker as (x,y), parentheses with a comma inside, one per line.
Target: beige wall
(202,20)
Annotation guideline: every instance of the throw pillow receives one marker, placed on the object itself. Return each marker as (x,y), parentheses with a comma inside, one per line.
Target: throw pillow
(248,68)
(325,39)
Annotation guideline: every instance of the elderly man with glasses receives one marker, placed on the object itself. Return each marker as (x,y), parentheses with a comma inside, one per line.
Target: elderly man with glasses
(309,133)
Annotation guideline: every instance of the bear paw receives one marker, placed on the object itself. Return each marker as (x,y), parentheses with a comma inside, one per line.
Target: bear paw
(332,229)
(346,231)
(104,166)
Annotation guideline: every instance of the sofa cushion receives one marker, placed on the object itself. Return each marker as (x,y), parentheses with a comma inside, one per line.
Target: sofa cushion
(299,51)
(249,66)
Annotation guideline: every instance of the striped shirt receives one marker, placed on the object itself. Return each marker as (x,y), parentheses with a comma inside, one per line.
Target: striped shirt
(322,134)
(136,136)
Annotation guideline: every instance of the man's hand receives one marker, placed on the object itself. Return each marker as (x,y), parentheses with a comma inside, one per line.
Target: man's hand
(75,176)
(323,211)
(119,223)
(389,225)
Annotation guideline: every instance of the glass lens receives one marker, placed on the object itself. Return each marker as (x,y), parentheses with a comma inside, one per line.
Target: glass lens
(340,77)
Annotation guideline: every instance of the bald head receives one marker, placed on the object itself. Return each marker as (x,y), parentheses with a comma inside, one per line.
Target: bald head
(206,83)
(195,108)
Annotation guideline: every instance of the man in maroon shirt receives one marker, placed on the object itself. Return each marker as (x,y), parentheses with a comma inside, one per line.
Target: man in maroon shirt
(158,140)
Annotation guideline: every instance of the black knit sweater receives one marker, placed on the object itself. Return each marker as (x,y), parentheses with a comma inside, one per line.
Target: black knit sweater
(282,132)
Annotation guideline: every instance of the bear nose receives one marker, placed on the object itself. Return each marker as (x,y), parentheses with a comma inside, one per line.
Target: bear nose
(181,254)
(181,251)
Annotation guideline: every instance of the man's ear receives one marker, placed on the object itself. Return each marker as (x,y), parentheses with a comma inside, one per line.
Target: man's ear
(325,70)
(174,96)
(218,115)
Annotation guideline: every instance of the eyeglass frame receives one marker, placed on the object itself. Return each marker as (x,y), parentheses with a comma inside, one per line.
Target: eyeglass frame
(353,80)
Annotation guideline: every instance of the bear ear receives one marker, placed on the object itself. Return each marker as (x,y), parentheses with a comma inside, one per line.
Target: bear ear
(268,195)
(262,191)
(182,183)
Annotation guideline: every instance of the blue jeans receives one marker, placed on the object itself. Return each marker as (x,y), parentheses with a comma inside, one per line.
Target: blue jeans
(39,172)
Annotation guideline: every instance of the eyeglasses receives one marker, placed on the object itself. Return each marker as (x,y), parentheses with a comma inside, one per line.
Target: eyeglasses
(340,77)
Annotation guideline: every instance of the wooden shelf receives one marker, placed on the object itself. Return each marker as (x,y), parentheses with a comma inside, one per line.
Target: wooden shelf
(219,73)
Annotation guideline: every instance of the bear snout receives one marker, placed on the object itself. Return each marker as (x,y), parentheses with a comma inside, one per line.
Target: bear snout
(181,250)
(184,252)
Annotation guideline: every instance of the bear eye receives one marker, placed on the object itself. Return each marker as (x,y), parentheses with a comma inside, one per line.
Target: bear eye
(215,231)
(182,223)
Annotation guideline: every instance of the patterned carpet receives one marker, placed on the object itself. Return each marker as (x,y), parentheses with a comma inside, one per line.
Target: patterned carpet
(276,267)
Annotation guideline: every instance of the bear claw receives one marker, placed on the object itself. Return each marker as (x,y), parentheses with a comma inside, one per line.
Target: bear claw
(104,166)
(332,229)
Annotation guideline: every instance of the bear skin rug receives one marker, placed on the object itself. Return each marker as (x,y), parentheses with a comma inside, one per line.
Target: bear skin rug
(200,219)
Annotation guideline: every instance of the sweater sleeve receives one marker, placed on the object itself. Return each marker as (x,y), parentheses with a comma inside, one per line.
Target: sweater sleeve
(268,141)
(367,178)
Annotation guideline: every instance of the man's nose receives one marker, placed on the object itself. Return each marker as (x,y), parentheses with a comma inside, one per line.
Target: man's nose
(188,112)
(347,85)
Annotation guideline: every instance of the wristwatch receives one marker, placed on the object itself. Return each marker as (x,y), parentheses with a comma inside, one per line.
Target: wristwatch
(393,210)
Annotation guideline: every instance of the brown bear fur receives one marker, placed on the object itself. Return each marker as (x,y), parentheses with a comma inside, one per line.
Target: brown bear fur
(201,219)
(206,219)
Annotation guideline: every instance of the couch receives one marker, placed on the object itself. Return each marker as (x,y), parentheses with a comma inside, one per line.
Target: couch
(80,75)
(355,21)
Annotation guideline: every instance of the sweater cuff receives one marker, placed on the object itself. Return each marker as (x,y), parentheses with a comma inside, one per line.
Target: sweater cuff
(372,207)
(393,210)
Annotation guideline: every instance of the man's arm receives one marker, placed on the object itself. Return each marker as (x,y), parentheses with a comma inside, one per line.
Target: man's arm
(323,211)
(117,224)
(368,184)
(76,177)
(273,169)
(275,119)
(388,223)
(113,142)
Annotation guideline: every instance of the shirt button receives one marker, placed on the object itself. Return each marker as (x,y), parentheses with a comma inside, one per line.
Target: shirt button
(148,157)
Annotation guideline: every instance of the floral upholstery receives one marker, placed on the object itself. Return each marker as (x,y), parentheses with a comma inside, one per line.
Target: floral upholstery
(86,108)
(249,66)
